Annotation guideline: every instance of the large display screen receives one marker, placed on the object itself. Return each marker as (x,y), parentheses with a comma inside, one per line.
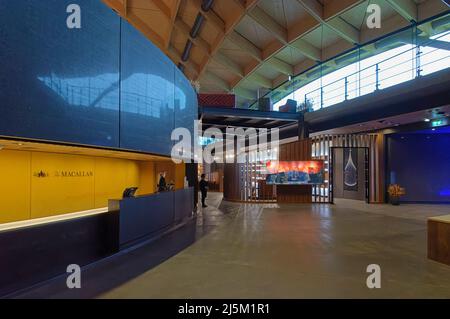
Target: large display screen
(295,172)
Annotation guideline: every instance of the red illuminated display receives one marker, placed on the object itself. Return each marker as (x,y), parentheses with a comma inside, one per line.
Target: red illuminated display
(310,167)
(295,172)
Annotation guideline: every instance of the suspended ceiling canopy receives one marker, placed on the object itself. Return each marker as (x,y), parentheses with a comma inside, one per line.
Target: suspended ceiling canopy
(251,46)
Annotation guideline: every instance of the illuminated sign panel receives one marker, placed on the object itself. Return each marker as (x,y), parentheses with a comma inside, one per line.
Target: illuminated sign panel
(440,122)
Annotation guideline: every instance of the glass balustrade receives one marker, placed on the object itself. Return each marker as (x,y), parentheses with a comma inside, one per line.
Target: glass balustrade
(417,51)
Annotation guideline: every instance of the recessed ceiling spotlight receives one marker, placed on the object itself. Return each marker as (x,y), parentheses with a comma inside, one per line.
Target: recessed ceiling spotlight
(433,129)
(427,120)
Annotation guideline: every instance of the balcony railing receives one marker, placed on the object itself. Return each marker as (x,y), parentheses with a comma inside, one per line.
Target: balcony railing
(409,54)
(389,72)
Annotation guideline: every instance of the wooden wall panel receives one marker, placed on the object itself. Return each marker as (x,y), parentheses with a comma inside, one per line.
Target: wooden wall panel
(297,151)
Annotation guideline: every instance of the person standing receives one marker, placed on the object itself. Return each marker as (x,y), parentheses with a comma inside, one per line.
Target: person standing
(203,189)
(162,186)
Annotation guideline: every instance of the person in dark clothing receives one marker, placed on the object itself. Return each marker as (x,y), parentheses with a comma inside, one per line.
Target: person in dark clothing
(162,187)
(203,189)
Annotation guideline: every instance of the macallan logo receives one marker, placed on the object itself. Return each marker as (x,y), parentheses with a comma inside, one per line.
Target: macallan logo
(74,174)
(41,174)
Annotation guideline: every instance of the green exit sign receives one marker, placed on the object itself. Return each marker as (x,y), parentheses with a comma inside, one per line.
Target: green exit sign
(441,122)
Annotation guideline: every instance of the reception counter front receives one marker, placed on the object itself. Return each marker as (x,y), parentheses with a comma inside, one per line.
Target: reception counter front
(38,250)
(143,217)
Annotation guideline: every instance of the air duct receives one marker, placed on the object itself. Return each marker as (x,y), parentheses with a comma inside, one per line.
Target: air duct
(207,5)
(187,51)
(197,25)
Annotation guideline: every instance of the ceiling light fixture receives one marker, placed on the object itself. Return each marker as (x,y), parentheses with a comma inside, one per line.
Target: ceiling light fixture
(427,120)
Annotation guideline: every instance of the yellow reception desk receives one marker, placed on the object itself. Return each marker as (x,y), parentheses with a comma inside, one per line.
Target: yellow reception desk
(59,202)
(37,184)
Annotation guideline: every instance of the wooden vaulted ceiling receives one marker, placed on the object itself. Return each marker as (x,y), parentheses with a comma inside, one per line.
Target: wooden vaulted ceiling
(246,46)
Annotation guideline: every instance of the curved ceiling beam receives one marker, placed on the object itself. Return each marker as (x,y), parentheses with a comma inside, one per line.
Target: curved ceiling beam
(246,45)
(229,64)
(267,55)
(226,28)
(224,85)
(164,8)
(269,59)
(281,66)
(261,80)
(296,32)
(173,17)
(266,21)
(338,25)
(406,8)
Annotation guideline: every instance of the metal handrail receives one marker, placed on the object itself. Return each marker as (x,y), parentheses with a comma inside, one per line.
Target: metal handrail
(323,95)
(354,84)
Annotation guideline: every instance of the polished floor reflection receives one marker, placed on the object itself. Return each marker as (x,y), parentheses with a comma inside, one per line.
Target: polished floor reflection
(287,251)
(298,251)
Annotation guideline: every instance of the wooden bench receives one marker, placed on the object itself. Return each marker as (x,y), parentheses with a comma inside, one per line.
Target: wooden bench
(439,239)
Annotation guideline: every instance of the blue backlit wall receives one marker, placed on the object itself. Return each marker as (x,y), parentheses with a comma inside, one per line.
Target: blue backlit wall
(421,164)
(54,80)
(102,85)
(148,92)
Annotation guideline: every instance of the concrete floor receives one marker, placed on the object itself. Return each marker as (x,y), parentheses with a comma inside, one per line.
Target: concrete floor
(298,251)
(272,251)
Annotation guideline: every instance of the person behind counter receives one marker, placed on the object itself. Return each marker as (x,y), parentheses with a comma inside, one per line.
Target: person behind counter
(203,189)
(162,186)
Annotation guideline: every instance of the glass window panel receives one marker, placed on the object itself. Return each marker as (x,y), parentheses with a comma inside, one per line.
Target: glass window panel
(433,59)
(398,68)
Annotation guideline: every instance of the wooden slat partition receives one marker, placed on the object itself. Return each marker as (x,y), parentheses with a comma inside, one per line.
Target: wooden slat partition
(231,183)
(375,143)
(297,151)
